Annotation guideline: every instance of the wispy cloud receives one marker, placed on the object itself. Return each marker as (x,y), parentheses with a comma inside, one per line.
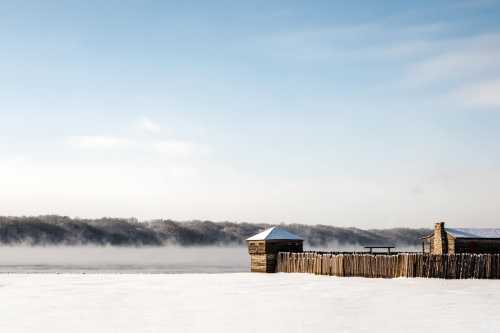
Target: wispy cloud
(350,42)
(419,55)
(465,58)
(479,95)
(461,72)
(149,126)
(170,148)
(175,148)
(99,142)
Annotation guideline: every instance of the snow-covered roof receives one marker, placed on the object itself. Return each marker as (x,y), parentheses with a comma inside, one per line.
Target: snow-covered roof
(274,233)
(474,232)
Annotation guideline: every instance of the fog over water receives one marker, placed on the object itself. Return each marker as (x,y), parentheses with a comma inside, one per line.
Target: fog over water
(88,259)
(115,259)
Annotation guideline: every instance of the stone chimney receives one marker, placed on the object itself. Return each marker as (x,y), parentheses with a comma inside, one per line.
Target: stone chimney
(440,239)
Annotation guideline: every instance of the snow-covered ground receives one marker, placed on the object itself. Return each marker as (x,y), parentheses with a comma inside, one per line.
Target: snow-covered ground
(243,302)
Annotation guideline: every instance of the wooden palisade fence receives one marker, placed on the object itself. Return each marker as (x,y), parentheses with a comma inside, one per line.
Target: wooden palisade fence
(452,266)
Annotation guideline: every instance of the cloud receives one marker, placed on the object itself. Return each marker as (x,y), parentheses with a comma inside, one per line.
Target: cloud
(406,49)
(480,95)
(169,148)
(175,148)
(426,52)
(385,39)
(99,142)
(149,126)
(458,59)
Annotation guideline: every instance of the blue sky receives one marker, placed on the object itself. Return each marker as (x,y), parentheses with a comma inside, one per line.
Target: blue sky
(369,114)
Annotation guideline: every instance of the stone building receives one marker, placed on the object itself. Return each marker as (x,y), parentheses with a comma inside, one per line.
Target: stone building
(461,240)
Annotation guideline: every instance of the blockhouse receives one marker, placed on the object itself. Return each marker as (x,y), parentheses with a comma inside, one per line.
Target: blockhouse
(264,247)
(461,240)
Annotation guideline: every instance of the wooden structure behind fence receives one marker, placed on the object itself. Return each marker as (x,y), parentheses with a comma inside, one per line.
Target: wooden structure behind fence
(446,266)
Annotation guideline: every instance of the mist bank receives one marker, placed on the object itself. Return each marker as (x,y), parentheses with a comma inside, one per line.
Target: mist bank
(62,230)
(114,259)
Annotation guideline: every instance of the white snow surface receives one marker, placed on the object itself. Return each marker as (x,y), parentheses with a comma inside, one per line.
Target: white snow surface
(274,233)
(243,302)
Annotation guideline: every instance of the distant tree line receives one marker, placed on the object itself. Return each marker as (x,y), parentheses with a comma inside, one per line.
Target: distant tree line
(62,230)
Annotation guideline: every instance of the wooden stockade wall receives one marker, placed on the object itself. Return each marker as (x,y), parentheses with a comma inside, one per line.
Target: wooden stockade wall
(452,266)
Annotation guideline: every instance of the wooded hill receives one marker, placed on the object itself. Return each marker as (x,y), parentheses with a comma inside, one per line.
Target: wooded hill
(61,230)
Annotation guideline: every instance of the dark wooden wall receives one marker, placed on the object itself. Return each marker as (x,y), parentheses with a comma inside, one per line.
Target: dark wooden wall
(284,246)
(466,245)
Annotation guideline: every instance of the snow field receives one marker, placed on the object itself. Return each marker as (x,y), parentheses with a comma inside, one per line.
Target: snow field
(243,302)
